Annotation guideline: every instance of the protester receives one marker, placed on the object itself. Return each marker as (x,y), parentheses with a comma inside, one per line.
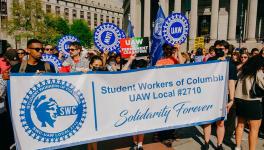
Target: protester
(254,52)
(210,54)
(235,58)
(248,108)
(96,64)
(5,119)
(243,59)
(49,49)
(21,54)
(199,55)
(34,63)
(76,62)
(221,49)
(171,55)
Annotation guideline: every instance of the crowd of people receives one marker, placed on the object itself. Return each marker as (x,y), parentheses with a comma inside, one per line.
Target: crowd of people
(245,68)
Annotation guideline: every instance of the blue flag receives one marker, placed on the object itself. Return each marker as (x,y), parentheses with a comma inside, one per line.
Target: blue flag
(156,51)
(130,32)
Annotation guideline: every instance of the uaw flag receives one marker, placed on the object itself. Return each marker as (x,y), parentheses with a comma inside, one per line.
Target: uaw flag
(130,28)
(157,39)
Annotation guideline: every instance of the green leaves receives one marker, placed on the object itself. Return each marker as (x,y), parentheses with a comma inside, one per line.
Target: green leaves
(30,21)
(80,29)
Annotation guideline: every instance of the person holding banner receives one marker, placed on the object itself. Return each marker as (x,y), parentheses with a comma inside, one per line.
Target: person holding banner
(221,51)
(249,107)
(171,56)
(34,63)
(136,64)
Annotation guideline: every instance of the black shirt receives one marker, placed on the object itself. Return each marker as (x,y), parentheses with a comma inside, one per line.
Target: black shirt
(32,68)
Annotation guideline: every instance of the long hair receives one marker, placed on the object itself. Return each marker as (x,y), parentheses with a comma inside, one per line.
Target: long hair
(93,59)
(251,67)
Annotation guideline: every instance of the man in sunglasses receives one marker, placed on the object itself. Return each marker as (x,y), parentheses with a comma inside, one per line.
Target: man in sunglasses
(76,62)
(34,63)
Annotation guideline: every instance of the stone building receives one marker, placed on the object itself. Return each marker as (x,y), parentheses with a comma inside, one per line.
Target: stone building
(94,12)
(238,21)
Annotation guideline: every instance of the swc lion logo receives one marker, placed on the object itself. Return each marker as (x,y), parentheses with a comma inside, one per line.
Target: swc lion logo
(53,110)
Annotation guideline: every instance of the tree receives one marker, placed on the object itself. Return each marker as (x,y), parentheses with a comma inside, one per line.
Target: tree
(27,20)
(80,29)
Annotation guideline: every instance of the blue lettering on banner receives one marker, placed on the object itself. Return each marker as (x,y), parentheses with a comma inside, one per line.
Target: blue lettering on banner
(146,114)
(182,108)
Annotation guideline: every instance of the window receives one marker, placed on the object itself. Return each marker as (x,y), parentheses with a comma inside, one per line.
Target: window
(48,8)
(82,14)
(89,18)
(118,22)
(95,20)
(3,7)
(101,19)
(3,21)
(74,13)
(57,10)
(107,18)
(66,13)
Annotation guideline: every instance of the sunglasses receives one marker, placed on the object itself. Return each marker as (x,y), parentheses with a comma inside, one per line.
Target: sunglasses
(38,49)
(20,53)
(244,57)
(49,49)
(72,49)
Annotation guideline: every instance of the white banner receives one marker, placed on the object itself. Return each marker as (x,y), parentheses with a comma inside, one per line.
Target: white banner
(60,110)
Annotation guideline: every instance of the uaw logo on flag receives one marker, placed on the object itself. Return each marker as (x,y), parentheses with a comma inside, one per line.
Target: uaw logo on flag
(158,28)
(64,42)
(53,60)
(52,111)
(107,36)
(175,29)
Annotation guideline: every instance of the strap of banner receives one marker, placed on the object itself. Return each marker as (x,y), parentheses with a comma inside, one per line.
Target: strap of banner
(47,67)
(23,66)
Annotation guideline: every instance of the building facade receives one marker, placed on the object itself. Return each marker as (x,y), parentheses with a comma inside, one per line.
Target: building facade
(95,12)
(238,21)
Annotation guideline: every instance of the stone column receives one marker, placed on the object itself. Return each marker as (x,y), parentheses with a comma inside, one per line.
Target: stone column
(165,6)
(214,19)
(135,13)
(70,16)
(177,6)
(252,18)
(232,20)
(115,20)
(92,19)
(110,17)
(121,22)
(147,19)
(193,19)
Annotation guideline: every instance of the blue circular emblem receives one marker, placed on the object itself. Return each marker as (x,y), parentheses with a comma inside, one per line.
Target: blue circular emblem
(175,29)
(107,36)
(64,42)
(53,111)
(53,60)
